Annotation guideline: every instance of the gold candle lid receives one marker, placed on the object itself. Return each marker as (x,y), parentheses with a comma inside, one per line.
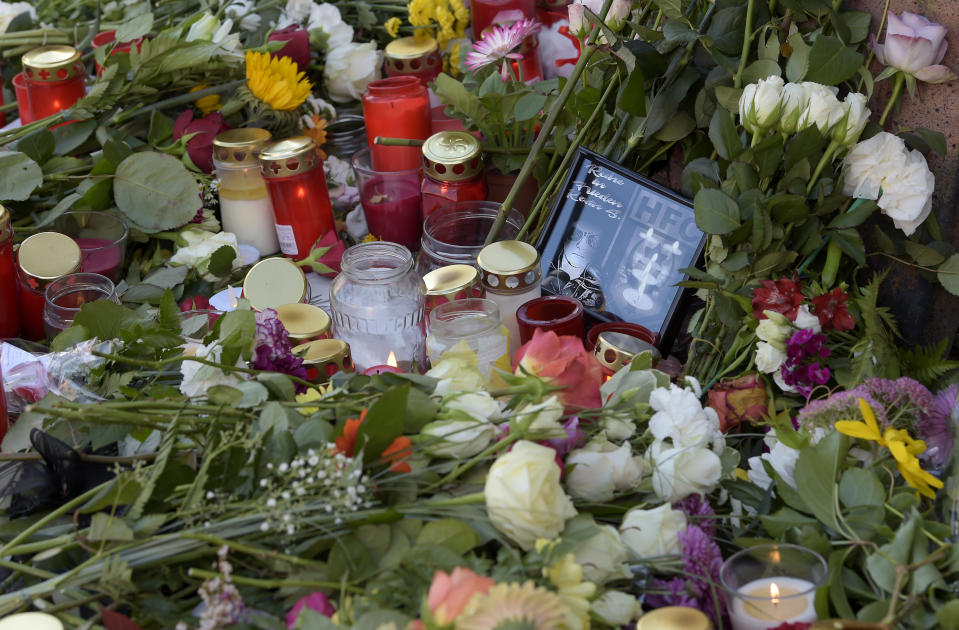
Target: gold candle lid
(30,621)
(273,282)
(322,351)
(289,157)
(240,145)
(52,63)
(303,321)
(452,156)
(450,279)
(509,266)
(615,349)
(674,618)
(411,47)
(46,256)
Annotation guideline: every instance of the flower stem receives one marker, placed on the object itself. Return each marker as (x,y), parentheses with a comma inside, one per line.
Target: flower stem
(823,161)
(181,99)
(273,584)
(747,44)
(52,516)
(893,98)
(546,131)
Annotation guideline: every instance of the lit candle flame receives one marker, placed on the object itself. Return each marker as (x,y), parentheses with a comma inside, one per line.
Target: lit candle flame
(233,301)
(391,361)
(774,593)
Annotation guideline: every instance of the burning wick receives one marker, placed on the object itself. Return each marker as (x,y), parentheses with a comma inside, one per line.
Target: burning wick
(774,593)
(233,301)
(391,361)
(389,367)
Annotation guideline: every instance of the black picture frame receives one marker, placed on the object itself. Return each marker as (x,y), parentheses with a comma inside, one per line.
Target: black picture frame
(616,241)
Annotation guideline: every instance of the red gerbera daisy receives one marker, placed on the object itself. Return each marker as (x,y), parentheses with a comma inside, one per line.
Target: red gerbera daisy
(832,311)
(781,296)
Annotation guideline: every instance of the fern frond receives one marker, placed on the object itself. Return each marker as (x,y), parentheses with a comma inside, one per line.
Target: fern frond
(927,364)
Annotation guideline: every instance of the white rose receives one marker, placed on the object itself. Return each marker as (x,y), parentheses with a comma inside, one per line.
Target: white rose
(869,163)
(761,104)
(616,608)
(805,319)
(604,556)
(457,438)
(524,498)
(793,104)
(577,20)
(543,419)
(618,12)
(775,329)
(618,427)
(680,417)
(907,198)
(652,533)
(326,17)
(598,470)
(757,473)
(200,246)
(783,458)
(823,109)
(847,132)
(349,69)
(680,472)
(456,374)
(241,10)
(769,358)
(297,10)
(480,405)
(10,10)
(197,377)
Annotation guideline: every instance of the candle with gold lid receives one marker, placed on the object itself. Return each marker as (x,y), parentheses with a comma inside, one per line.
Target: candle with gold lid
(30,621)
(453,168)
(452,282)
(41,259)
(304,322)
(54,79)
(324,358)
(674,618)
(614,350)
(414,56)
(511,274)
(273,282)
(245,206)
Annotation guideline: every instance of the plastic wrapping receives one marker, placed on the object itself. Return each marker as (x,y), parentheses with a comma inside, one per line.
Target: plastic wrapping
(28,378)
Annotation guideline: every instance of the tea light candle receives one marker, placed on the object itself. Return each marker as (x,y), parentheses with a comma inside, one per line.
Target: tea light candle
(390,367)
(768,602)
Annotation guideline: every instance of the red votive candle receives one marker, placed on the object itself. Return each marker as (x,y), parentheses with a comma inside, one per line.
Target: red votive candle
(485,13)
(391,201)
(42,258)
(9,299)
(23,98)
(396,107)
(381,369)
(102,238)
(105,38)
(55,79)
(559,313)
(293,172)
(453,168)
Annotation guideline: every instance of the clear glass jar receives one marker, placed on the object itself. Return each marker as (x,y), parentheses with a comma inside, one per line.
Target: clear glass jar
(378,305)
(475,322)
(456,234)
(511,273)
(65,296)
(345,136)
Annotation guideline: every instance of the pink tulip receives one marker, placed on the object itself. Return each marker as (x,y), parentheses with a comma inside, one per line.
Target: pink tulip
(316,601)
(915,45)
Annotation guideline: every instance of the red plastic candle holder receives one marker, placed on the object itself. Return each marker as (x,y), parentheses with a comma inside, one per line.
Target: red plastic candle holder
(396,107)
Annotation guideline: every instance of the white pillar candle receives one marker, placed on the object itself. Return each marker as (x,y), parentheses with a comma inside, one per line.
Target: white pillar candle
(251,219)
(768,602)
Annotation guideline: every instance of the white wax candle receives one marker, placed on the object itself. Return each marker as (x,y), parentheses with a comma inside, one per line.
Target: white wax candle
(756,607)
(252,222)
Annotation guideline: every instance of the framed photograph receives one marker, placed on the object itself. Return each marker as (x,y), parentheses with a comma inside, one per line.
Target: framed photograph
(616,241)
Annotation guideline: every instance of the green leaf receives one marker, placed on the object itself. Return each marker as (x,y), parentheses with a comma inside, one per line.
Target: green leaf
(103,319)
(922,255)
(881,565)
(697,173)
(69,137)
(156,191)
(632,100)
(716,212)
(135,28)
(815,476)
(859,486)
(948,274)
(851,243)
(837,592)
(529,106)
(309,619)
(384,422)
(70,337)
(858,24)
(39,145)
(450,533)
(798,62)
(221,261)
(726,29)
(858,213)
(724,136)
(19,176)
(678,32)
(761,69)
(672,9)
(728,97)
(831,62)
(237,331)
(948,616)
(279,385)
(161,128)
(314,433)
(783,520)
(935,139)
(420,410)
(224,395)
(105,527)
(253,394)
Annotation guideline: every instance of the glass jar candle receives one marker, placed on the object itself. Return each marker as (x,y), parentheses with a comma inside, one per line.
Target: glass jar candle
(245,205)
(615,350)
(559,313)
(378,306)
(294,175)
(413,56)
(9,298)
(102,238)
(345,136)
(42,258)
(101,44)
(511,274)
(451,283)
(66,295)
(453,169)
(485,13)
(55,79)
(391,201)
(475,322)
(396,107)
(273,282)
(456,234)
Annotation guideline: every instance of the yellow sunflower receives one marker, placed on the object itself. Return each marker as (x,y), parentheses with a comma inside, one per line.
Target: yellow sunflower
(276,81)
(206,104)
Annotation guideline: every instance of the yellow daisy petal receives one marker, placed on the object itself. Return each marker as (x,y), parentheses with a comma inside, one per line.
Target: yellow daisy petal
(276,81)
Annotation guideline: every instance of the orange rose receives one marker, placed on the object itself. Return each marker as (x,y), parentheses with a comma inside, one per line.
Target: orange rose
(563,362)
(395,454)
(450,593)
(737,400)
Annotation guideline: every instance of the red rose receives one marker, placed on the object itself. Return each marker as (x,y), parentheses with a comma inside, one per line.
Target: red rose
(200,146)
(297,45)
(737,400)
(564,362)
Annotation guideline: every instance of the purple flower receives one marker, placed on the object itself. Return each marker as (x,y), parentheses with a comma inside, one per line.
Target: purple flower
(826,412)
(498,43)
(575,437)
(314,601)
(901,392)
(698,509)
(936,428)
(801,369)
(700,589)
(273,351)
(677,594)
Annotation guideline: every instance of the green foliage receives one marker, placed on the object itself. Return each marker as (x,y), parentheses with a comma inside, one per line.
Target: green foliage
(927,364)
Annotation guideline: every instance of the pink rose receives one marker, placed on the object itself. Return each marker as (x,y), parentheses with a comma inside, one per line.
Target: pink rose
(915,45)
(297,45)
(314,601)
(563,362)
(451,592)
(200,146)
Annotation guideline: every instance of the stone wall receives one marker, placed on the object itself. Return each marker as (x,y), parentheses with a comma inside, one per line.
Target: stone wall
(927,313)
